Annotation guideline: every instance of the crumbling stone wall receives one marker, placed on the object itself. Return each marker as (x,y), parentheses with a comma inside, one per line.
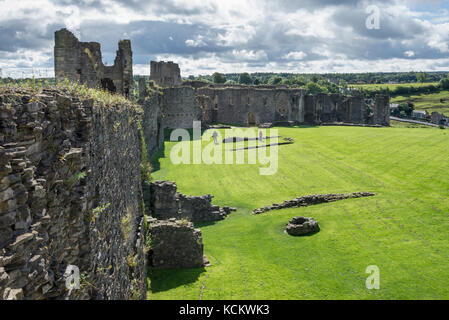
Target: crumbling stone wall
(70,194)
(167,203)
(254,106)
(152,124)
(179,107)
(82,62)
(381,115)
(165,74)
(175,244)
(250,106)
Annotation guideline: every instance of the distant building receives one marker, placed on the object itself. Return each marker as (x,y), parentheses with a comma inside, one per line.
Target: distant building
(439,118)
(393,106)
(419,114)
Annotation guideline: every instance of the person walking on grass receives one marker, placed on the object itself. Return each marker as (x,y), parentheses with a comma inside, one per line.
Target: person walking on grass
(215,134)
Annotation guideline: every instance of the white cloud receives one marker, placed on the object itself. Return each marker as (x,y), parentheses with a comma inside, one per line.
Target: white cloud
(295,55)
(234,35)
(198,42)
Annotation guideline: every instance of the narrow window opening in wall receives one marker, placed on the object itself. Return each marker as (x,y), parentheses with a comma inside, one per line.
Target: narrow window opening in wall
(265,101)
(126,88)
(248,100)
(230,101)
(78,71)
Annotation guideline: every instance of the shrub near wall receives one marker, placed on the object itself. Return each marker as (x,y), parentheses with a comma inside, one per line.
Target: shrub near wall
(70,194)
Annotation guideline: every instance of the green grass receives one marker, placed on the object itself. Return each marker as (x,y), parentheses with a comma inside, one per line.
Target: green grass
(403,229)
(430,102)
(424,101)
(393,85)
(400,124)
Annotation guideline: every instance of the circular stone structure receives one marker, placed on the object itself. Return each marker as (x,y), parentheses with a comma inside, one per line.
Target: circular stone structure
(299,226)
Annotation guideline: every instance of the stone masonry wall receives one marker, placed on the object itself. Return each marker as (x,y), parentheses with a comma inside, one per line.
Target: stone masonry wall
(168,203)
(179,107)
(70,194)
(165,74)
(249,106)
(82,61)
(175,244)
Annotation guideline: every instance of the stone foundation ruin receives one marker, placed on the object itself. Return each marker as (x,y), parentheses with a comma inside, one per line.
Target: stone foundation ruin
(175,244)
(300,226)
(312,200)
(167,203)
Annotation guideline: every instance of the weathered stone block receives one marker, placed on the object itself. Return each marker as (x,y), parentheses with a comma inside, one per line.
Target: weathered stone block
(175,244)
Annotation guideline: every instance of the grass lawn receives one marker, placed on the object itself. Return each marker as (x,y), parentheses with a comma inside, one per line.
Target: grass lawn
(393,85)
(404,229)
(400,124)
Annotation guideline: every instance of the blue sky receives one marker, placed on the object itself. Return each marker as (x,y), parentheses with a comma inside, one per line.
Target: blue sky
(204,36)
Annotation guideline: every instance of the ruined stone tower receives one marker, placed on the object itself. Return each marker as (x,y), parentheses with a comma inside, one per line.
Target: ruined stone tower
(165,74)
(82,61)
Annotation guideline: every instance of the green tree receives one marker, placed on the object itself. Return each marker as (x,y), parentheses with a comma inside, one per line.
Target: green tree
(245,78)
(422,77)
(444,83)
(218,78)
(274,80)
(313,88)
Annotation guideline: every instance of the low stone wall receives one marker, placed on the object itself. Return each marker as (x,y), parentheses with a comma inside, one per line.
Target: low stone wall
(167,203)
(312,200)
(70,194)
(175,244)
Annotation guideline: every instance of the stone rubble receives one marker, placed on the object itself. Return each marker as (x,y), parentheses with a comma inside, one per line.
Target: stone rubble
(167,203)
(299,226)
(312,200)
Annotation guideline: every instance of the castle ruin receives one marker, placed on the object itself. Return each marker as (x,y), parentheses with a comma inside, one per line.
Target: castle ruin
(82,62)
(165,74)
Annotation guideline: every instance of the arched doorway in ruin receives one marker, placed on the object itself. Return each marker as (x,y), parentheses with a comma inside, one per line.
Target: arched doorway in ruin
(108,84)
(251,119)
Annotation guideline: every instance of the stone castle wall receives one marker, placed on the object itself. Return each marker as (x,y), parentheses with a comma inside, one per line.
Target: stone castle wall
(180,106)
(82,62)
(70,194)
(165,74)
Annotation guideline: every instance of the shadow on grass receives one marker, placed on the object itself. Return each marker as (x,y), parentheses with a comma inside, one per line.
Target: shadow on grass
(164,280)
(155,159)
(305,235)
(205,224)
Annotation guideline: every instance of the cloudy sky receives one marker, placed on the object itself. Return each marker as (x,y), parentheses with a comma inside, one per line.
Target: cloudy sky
(234,35)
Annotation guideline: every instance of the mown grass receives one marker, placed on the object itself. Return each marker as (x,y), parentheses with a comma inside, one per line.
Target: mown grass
(400,124)
(403,229)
